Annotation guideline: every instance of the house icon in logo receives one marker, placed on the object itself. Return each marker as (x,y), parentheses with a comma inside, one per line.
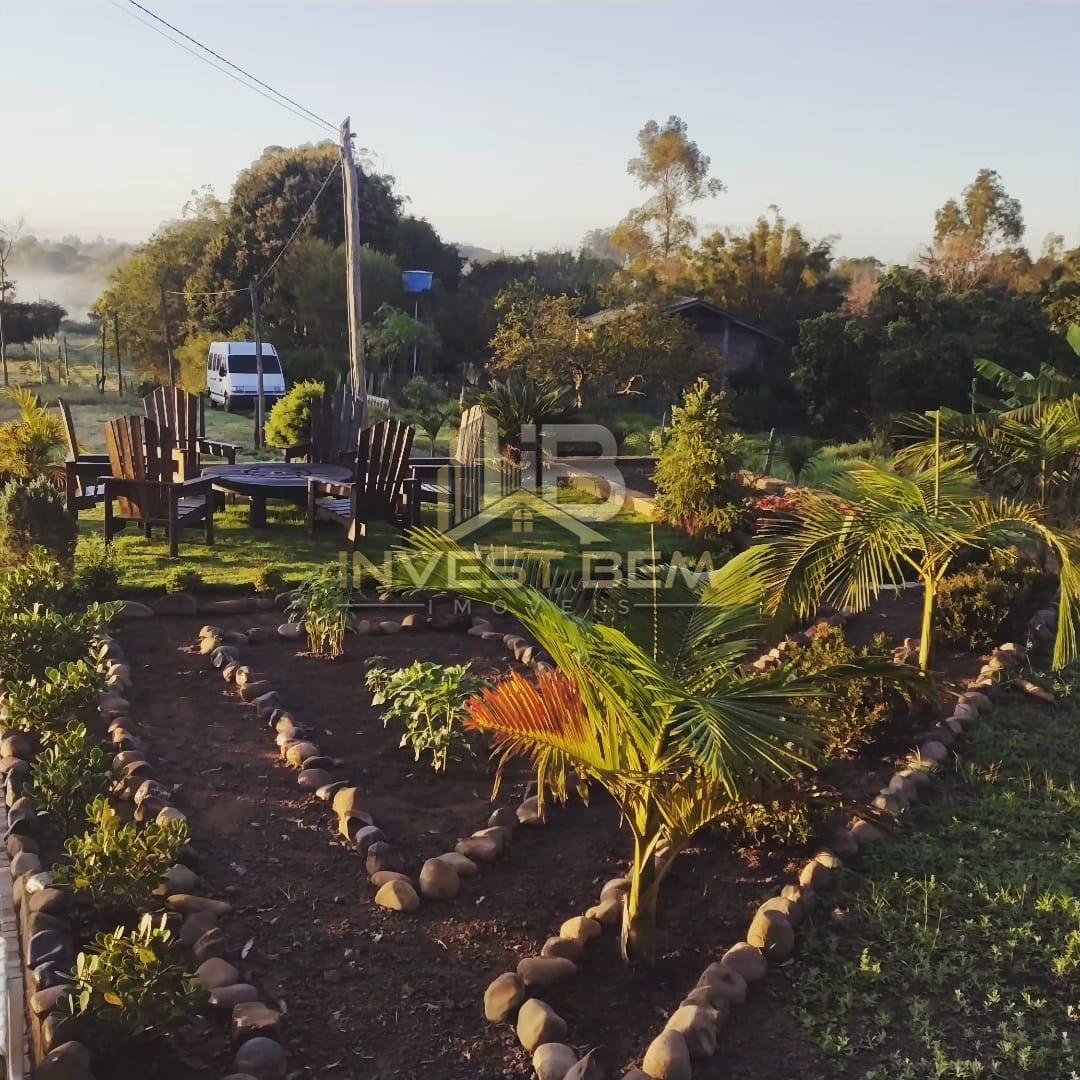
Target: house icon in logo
(522,508)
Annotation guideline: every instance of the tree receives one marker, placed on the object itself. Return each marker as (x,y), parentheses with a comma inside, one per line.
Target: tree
(829,372)
(770,274)
(873,526)
(971,231)
(600,244)
(393,335)
(8,235)
(653,706)
(671,165)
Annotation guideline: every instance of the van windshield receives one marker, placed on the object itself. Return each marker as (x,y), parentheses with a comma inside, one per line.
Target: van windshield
(245,365)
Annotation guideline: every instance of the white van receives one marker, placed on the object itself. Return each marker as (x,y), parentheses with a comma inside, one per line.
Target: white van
(231,378)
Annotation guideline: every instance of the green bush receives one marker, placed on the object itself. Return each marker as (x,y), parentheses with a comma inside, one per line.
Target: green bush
(68,776)
(48,705)
(269,579)
(422,397)
(429,701)
(130,985)
(35,640)
(38,579)
(980,607)
(30,444)
(289,423)
(182,579)
(32,513)
(119,865)
(698,463)
(97,569)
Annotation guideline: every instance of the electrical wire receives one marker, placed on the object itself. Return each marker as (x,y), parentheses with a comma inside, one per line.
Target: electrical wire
(284,247)
(281,99)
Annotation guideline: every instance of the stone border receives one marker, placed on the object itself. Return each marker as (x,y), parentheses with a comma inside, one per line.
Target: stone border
(14,1046)
(439,877)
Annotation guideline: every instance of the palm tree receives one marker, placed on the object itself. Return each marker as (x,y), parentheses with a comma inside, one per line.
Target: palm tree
(30,445)
(798,451)
(1031,452)
(518,401)
(657,710)
(873,527)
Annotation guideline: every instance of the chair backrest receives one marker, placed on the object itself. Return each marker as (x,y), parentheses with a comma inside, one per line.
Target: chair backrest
(138,451)
(176,411)
(69,427)
(382,457)
(470,432)
(335,423)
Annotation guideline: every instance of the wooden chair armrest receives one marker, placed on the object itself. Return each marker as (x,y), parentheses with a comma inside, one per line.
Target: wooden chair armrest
(89,459)
(217,448)
(195,483)
(317,487)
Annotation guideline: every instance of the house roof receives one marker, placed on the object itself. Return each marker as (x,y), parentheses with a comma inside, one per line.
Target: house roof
(684,305)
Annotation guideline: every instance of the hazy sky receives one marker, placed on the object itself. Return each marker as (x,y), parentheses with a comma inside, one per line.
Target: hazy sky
(509,124)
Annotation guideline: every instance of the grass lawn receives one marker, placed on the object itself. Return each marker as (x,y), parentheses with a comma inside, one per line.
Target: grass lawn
(239,552)
(966,957)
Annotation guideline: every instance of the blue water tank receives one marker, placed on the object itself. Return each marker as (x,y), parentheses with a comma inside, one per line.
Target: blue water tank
(416,281)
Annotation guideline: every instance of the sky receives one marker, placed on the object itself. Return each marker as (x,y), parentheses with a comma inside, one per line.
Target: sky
(508,125)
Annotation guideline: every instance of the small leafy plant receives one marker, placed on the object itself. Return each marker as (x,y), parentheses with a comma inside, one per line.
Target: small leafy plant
(120,865)
(130,985)
(32,512)
(35,640)
(38,579)
(182,579)
(97,568)
(269,579)
(429,700)
(68,776)
(978,607)
(48,705)
(321,605)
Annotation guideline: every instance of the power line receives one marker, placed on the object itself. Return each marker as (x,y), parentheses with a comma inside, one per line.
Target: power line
(279,98)
(284,247)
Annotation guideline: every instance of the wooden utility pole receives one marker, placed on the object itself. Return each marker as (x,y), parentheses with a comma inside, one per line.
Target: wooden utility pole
(101,375)
(116,342)
(40,365)
(67,362)
(260,400)
(352,270)
(168,339)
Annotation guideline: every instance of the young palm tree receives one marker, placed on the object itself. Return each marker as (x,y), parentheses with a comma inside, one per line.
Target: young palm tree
(657,710)
(874,527)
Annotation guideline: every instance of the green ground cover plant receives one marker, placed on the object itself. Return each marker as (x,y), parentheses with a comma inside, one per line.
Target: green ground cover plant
(68,775)
(961,956)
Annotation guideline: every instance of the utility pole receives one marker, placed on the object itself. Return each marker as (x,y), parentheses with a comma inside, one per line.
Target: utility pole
(40,366)
(352,270)
(101,375)
(260,401)
(116,342)
(67,361)
(168,339)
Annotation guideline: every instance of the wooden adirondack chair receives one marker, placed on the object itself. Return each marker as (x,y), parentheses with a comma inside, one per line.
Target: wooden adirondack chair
(335,428)
(84,474)
(456,481)
(142,489)
(182,416)
(380,491)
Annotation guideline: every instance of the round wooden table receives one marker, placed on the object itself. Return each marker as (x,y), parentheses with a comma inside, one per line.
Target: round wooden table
(262,480)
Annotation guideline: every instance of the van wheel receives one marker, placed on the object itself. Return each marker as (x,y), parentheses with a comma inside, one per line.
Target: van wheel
(226,404)
(210,398)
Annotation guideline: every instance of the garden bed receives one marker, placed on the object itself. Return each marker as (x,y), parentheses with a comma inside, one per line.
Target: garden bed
(370,993)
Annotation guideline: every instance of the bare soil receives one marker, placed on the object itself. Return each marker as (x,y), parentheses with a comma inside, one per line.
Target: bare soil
(372,994)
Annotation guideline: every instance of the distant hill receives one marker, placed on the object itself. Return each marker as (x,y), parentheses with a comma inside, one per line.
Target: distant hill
(472,253)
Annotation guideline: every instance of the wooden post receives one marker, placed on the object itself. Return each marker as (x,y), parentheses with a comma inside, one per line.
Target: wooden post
(101,374)
(260,401)
(116,342)
(352,270)
(40,365)
(168,339)
(67,361)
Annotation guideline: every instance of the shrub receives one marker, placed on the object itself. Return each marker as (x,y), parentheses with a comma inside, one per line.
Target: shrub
(269,579)
(130,984)
(321,605)
(182,579)
(980,606)
(32,512)
(421,396)
(31,443)
(38,579)
(50,704)
(636,443)
(429,700)
(120,865)
(33,641)
(698,463)
(289,422)
(97,568)
(68,776)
